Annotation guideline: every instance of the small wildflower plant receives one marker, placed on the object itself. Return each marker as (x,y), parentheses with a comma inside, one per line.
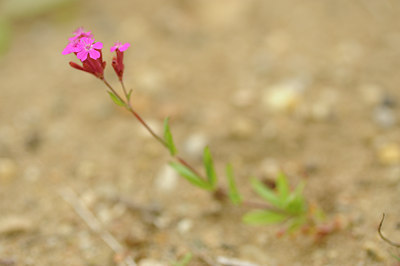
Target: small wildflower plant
(280,205)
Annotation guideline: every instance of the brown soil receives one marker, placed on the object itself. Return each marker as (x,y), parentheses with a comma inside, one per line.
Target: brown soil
(209,66)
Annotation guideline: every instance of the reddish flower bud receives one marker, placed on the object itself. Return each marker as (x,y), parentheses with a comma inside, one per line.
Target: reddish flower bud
(118,61)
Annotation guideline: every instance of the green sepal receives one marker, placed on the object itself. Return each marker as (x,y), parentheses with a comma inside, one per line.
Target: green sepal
(259,217)
(190,176)
(168,137)
(116,99)
(209,166)
(233,192)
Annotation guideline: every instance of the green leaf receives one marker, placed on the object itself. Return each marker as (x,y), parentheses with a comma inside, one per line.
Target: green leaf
(115,99)
(296,223)
(168,138)
(282,187)
(129,95)
(266,193)
(190,176)
(185,260)
(233,193)
(264,217)
(296,203)
(209,165)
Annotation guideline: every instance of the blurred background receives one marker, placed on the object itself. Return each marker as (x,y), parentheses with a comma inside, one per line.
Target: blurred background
(309,86)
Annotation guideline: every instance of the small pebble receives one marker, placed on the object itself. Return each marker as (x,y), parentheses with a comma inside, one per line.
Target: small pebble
(184,226)
(373,251)
(14,225)
(242,128)
(195,145)
(151,262)
(270,168)
(389,154)
(284,97)
(8,169)
(384,117)
(167,179)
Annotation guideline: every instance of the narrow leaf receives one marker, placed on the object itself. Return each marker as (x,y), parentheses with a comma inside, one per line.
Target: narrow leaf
(115,99)
(263,217)
(209,165)
(185,260)
(168,137)
(295,202)
(190,176)
(282,186)
(266,193)
(129,95)
(233,193)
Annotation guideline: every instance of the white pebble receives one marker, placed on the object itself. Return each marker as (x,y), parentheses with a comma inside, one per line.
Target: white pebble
(195,144)
(8,169)
(166,179)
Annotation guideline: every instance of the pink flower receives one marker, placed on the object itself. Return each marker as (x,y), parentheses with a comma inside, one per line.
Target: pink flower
(73,44)
(121,47)
(86,47)
(80,33)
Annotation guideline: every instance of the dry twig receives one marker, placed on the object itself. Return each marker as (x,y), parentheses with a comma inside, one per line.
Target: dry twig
(70,196)
(390,242)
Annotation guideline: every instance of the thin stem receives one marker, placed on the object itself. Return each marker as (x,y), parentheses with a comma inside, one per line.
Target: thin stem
(390,242)
(125,92)
(130,108)
(112,89)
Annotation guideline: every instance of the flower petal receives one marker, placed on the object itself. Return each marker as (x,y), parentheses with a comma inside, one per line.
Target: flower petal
(124,47)
(97,45)
(67,50)
(94,54)
(82,55)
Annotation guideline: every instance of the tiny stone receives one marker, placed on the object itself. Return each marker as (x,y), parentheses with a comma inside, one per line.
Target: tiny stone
(151,262)
(15,224)
(242,128)
(8,169)
(166,179)
(373,251)
(195,145)
(384,117)
(270,168)
(389,154)
(284,97)
(184,226)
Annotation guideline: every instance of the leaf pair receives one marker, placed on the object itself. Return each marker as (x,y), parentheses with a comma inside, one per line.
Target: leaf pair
(194,178)
(286,205)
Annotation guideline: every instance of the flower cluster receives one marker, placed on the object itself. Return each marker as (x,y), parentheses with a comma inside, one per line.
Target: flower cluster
(83,45)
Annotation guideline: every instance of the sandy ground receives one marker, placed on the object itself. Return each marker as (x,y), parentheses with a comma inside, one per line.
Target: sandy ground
(214,67)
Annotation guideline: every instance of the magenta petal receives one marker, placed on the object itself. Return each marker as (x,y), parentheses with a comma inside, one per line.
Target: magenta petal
(113,48)
(67,50)
(97,45)
(94,54)
(82,55)
(124,47)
